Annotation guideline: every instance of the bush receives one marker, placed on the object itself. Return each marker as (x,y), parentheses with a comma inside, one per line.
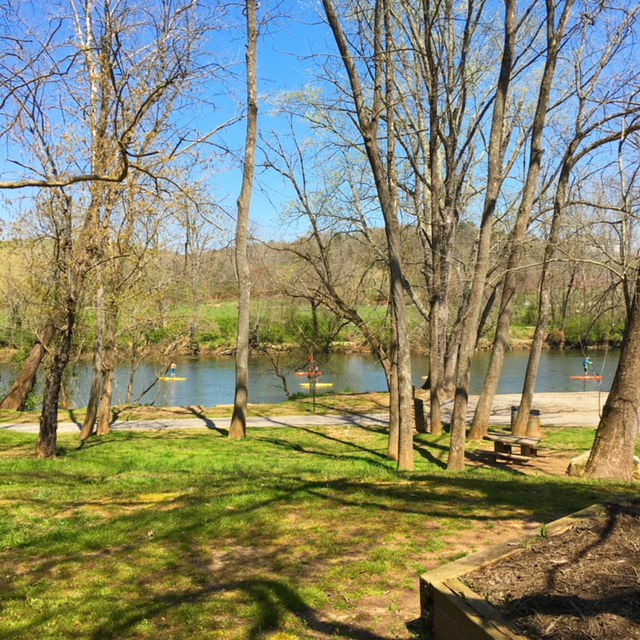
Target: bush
(556,338)
(159,335)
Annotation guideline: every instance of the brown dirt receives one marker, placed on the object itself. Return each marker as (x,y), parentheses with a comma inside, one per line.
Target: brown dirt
(550,462)
(584,583)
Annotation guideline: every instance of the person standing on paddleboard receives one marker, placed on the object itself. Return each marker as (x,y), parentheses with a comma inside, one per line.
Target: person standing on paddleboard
(586,363)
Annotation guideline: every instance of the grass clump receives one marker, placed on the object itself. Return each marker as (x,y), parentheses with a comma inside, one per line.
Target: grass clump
(292,533)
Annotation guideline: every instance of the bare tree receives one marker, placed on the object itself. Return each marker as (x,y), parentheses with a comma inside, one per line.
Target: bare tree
(495,176)
(554,40)
(597,124)
(112,88)
(375,118)
(341,252)
(238,427)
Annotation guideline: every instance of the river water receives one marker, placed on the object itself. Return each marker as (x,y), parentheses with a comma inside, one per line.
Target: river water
(211,381)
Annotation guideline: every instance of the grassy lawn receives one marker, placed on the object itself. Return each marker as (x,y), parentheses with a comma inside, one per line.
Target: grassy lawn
(292,533)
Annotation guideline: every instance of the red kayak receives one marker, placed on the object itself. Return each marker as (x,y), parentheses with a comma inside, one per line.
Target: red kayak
(586,377)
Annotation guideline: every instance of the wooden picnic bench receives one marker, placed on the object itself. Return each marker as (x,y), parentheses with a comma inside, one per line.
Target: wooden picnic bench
(516,448)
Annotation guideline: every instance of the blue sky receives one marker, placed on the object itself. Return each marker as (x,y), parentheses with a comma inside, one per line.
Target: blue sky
(285,48)
(285,51)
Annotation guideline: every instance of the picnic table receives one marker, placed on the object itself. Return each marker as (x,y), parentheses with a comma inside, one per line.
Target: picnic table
(515,448)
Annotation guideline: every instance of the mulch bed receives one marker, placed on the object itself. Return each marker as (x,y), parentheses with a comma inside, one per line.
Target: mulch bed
(582,584)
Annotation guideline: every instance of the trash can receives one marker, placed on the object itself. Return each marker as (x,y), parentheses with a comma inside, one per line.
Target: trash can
(514,415)
(533,424)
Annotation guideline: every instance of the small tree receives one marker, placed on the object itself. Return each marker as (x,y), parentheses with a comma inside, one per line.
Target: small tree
(238,427)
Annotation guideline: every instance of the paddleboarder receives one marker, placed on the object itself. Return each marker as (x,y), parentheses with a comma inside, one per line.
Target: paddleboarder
(586,363)
(172,370)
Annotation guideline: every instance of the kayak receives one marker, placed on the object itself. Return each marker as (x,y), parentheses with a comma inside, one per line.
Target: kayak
(169,379)
(586,377)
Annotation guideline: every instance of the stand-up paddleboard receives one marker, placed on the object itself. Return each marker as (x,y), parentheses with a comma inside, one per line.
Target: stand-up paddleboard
(586,377)
(169,379)
(307,385)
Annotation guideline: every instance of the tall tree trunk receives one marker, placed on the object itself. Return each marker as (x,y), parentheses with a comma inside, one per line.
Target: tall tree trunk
(494,182)
(386,188)
(108,370)
(393,445)
(48,437)
(436,369)
(105,413)
(132,372)
(25,380)
(238,427)
(89,422)
(392,227)
(617,435)
(452,349)
(480,424)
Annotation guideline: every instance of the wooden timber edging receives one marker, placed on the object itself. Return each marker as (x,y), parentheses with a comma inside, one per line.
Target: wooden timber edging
(452,611)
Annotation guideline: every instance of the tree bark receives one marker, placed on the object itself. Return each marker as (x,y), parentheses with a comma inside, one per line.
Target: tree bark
(436,368)
(393,444)
(617,435)
(238,427)
(48,436)
(93,404)
(25,380)
(108,371)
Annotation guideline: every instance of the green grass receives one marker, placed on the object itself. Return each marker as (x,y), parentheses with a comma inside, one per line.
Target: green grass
(292,533)
(524,332)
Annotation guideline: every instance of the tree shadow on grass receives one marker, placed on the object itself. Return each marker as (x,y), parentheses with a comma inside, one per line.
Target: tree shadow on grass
(208,422)
(356,414)
(74,419)
(271,599)
(422,449)
(430,496)
(325,436)
(299,448)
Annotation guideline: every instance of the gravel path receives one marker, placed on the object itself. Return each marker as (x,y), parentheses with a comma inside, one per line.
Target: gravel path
(557,409)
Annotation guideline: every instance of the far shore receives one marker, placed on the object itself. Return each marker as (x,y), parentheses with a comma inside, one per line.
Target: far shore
(161,352)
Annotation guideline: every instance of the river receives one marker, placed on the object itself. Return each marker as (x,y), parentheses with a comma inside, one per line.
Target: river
(210,381)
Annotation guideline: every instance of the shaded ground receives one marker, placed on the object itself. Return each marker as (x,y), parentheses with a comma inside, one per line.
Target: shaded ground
(550,462)
(582,584)
(387,613)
